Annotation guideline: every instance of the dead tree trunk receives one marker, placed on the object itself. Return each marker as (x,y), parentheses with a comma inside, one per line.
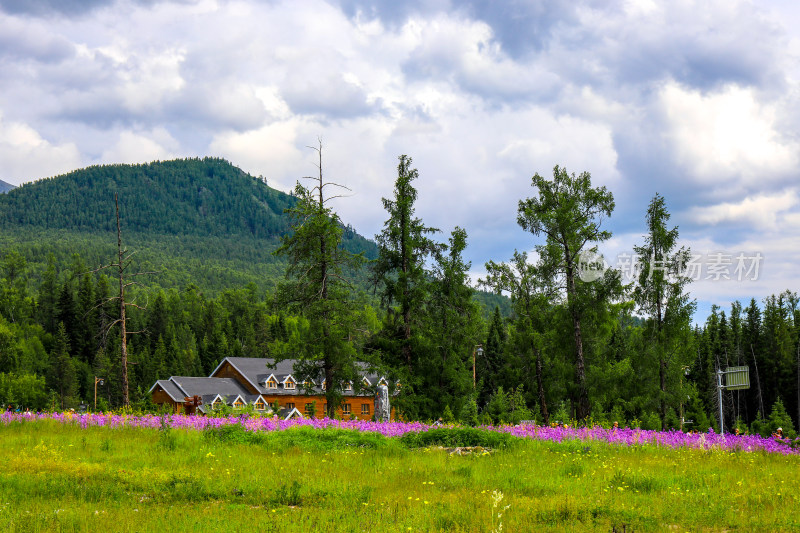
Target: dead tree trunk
(123,262)
(122,319)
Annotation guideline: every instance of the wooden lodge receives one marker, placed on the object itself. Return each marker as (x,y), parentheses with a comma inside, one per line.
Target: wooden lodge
(242,381)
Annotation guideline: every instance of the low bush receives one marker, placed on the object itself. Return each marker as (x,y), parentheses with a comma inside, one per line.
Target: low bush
(457,437)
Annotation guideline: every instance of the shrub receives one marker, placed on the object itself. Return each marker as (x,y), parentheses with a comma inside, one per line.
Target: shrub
(233,433)
(469,414)
(457,437)
(651,421)
(561,415)
(447,416)
(497,407)
(779,418)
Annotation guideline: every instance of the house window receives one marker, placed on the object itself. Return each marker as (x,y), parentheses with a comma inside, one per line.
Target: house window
(309,409)
(345,408)
(260,405)
(290,406)
(216,402)
(365,383)
(348,386)
(238,403)
(364,408)
(272,384)
(308,384)
(288,384)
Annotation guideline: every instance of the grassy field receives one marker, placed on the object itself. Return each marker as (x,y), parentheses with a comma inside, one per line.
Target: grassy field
(61,477)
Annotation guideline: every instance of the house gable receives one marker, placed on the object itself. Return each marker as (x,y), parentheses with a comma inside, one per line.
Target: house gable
(227,369)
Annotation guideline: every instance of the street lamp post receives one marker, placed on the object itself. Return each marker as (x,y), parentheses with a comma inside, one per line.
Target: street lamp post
(96,381)
(479,350)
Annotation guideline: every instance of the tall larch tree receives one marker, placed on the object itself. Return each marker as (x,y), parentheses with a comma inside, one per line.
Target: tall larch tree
(317,288)
(568,211)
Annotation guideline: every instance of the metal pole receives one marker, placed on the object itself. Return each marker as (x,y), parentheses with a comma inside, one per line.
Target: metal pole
(719,391)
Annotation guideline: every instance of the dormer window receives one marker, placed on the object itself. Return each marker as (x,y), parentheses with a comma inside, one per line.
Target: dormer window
(272,383)
(260,405)
(238,403)
(366,383)
(289,384)
(348,386)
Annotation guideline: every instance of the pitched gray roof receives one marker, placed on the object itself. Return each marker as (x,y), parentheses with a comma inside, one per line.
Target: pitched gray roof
(256,371)
(209,386)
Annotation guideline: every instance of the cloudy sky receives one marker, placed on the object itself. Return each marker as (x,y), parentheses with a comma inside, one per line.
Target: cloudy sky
(698,101)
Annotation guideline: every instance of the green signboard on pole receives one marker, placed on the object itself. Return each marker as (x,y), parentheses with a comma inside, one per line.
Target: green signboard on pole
(737,377)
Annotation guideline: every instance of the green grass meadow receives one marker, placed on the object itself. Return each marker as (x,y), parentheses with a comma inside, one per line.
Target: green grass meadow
(60,477)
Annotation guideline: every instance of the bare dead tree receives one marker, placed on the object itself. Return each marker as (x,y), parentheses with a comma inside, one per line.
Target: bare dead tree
(124,259)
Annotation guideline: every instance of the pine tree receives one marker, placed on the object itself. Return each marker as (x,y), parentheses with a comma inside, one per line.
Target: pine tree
(63,377)
(48,297)
(400,270)
(491,361)
(659,295)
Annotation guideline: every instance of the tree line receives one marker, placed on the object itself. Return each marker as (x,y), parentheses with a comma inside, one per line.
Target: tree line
(576,344)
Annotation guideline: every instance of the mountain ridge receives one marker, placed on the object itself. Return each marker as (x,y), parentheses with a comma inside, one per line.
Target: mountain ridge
(195,221)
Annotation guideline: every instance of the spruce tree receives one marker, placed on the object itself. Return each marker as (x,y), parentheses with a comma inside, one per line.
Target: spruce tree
(404,247)
(63,376)
(660,296)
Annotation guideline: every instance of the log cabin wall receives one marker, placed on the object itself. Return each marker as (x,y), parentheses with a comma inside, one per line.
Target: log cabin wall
(360,406)
(161,397)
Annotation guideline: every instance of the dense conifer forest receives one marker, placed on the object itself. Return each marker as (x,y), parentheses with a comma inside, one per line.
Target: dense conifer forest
(547,346)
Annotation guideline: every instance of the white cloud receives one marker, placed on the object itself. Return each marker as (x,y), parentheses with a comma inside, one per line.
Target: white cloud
(25,155)
(270,151)
(726,135)
(695,100)
(135,147)
(762,211)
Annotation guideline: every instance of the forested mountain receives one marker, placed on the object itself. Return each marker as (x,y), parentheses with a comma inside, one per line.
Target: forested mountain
(5,187)
(201,221)
(183,197)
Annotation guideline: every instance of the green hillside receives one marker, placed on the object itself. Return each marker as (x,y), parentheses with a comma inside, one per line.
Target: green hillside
(201,197)
(194,221)
(5,187)
(202,221)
